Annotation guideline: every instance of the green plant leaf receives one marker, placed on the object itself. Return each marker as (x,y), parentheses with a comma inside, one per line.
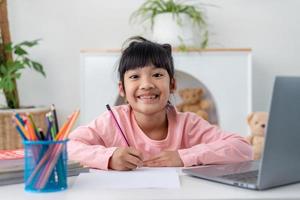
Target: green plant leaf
(3,70)
(26,61)
(38,67)
(1,84)
(205,40)
(29,43)
(10,63)
(8,84)
(20,51)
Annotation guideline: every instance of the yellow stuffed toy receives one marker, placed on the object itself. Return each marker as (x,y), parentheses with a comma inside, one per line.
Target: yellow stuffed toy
(193,101)
(257,122)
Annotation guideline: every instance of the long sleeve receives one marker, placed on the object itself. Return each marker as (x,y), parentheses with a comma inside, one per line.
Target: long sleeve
(94,144)
(207,144)
(84,150)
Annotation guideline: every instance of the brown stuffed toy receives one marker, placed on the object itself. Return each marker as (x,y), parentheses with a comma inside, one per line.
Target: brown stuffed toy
(192,101)
(257,122)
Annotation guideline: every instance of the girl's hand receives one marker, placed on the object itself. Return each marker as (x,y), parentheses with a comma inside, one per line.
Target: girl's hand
(125,158)
(165,159)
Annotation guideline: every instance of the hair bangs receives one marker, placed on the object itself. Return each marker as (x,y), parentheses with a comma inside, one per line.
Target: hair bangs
(141,56)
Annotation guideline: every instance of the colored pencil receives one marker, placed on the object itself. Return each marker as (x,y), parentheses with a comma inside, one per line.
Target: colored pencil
(36,131)
(21,133)
(19,124)
(55,117)
(115,119)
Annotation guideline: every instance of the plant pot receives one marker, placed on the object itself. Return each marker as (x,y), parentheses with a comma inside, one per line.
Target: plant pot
(175,30)
(9,137)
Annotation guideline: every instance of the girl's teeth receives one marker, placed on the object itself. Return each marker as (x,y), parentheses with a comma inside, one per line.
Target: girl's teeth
(148,97)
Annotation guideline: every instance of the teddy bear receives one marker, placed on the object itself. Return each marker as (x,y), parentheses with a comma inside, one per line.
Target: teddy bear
(257,122)
(193,101)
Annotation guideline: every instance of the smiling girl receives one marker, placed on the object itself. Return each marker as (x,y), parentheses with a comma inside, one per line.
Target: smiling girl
(157,134)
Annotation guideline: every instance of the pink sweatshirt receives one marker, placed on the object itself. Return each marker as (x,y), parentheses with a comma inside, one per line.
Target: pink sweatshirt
(197,142)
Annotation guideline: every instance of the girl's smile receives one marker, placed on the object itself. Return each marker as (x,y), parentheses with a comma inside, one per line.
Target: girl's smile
(148,98)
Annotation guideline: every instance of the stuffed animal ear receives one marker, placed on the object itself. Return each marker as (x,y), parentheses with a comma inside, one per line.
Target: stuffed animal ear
(249,118)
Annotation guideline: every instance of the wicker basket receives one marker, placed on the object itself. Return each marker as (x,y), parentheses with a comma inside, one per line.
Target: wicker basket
(9,138)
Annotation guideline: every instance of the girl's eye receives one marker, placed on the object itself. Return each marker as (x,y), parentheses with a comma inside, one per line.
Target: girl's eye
(157,75)
(133,76)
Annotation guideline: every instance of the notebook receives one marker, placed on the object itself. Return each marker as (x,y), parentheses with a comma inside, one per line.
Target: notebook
(280,162)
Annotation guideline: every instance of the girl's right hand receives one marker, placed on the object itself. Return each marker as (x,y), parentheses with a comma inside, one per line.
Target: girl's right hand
(125,158)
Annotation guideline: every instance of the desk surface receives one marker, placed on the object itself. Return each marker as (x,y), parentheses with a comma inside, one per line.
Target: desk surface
(191,188)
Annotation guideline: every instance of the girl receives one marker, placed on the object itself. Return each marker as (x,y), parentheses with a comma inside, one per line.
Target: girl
(155,134)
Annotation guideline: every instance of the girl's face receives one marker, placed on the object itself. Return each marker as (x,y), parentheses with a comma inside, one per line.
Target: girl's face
(147,89)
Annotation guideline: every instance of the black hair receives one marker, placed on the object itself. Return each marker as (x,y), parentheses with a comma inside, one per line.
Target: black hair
(141,52)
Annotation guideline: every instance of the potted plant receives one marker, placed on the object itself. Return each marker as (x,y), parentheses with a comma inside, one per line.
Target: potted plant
(174,22)
(10,70)
(13,59)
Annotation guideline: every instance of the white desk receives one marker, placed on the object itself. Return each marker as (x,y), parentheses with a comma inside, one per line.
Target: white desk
(191,188)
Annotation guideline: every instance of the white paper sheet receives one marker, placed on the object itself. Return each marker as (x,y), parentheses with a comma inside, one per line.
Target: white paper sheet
(139,178)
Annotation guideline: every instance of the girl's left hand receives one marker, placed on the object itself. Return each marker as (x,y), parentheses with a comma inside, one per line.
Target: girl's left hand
(165,159)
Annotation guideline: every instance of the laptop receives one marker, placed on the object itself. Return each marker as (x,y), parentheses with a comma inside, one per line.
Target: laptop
(280,162)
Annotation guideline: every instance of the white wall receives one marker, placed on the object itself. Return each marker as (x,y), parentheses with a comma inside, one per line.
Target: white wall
(269,27)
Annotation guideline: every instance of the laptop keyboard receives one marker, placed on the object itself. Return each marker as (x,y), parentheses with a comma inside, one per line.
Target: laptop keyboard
(250,176)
